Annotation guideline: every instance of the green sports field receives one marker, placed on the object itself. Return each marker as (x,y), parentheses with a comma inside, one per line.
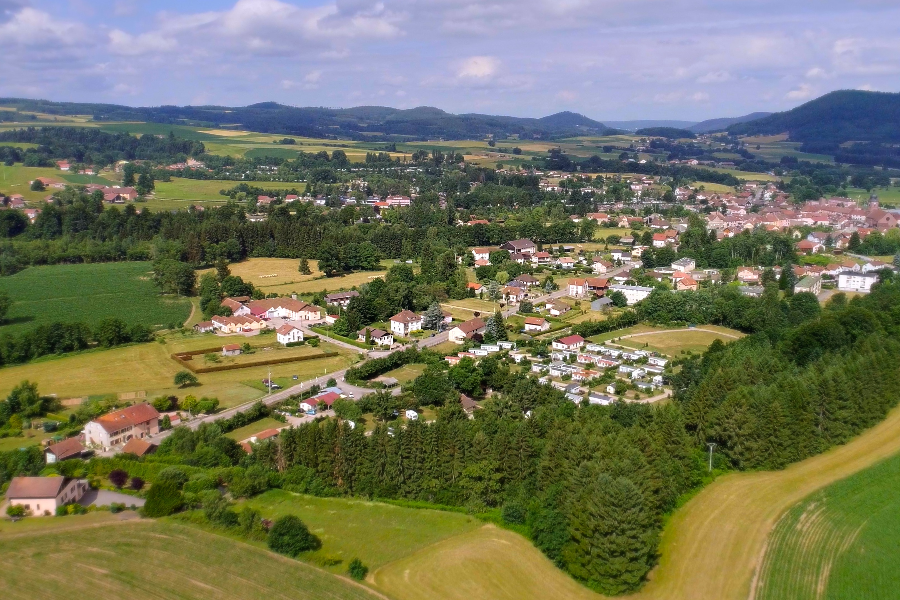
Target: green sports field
(841,543)
(89,293)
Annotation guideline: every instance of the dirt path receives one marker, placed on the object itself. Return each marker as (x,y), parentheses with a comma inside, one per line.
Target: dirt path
(712,547)
(190,316)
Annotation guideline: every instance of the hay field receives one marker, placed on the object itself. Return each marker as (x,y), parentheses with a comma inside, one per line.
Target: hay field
(280,276)
(839,543)
(680,341)
(152,559)
(207,190)
(89,293)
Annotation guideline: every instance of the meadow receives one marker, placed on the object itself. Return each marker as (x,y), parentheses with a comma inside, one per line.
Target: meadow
(681,341)
(253,428)
(839,543)
(128,558)
(17,180)
(88,293)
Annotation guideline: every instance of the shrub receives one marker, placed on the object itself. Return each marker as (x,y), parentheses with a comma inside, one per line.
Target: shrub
(357,569)
(118,478)
(200,484)
(163,499)
(62,510)
(173,475)
(290,536)
(137,484)
(514,512)
(15,511)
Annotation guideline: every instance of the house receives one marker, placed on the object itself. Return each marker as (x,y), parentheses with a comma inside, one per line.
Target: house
(475,287)
(601,399)
(809,247)
(288,334)
(138,447)
(523,246)
(469,406)
(659,240)
(633,293)
(405,322)
(231,349)
(541,258)
(565,262)
(571,342)
(557,308)
(601,266)
(63,165)
(64,450)
(204,327)
(379,337)
(810,283)
(751,291)
(325,398)
(536,324)
(240,324)
(686,283)
(467,330)
(482,254)
(851,281)
(41,496)
(684,264)
(121,425)
(577,288)
(237,307)
(748,275)
(341,299)
(512,294)
(284,308)
(658,361)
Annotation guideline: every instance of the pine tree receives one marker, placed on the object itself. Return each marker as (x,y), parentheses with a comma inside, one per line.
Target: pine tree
(304,267)
(433,318)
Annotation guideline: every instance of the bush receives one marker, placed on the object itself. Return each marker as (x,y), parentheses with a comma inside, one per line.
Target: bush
(163,499)
(201,484)
(290,536)
(137,484)
(173,475)
(357,569)
(15,511)
(514,513)
(118,478)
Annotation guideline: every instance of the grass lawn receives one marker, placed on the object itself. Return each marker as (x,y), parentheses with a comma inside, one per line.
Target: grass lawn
(148,367)
(840,542)
(252,429)
(406,373)
(466,308)
(678,342)
(89,293)
(280,276)
(486,563)
(77,556)
(376,533)
(207,190)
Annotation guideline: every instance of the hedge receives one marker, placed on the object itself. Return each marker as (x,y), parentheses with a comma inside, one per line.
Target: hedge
(258,363)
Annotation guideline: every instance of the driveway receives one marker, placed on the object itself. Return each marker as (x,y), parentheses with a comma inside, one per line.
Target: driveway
(107,497)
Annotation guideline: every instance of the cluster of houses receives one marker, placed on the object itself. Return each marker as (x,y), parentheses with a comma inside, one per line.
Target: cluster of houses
(251,316)
(483,350)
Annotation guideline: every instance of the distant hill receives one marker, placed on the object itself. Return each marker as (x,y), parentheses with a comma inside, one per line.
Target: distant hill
(672,133)
(635,125)
(721,124)
(846,115)
(361,122)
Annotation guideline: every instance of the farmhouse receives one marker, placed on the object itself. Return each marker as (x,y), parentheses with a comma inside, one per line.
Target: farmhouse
(69,448)
(467,330)
(284,308)
(536,324)
(42,495)
(405,322)
(120,426)
(288,334)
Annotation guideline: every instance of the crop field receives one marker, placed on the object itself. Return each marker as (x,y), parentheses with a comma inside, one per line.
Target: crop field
(682,341)
(148,367)
(80,555)
(89,293)
(839,543)
(377,533)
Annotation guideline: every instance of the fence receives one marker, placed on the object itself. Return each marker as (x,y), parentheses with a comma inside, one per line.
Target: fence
(184,359)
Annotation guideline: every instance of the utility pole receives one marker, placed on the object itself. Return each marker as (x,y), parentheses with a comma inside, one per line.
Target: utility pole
(711,446)
(269,381)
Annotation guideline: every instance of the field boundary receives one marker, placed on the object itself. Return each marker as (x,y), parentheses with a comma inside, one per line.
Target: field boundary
(184,359)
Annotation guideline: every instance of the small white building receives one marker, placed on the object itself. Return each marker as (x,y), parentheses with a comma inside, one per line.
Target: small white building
(42,495)
(288,334)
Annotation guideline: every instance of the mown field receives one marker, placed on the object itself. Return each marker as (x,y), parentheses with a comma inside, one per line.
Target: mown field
(93,555)
(841,543)
(16,180)
(376,533)
(149,367)
(252,429)
(676,342)
(89,293)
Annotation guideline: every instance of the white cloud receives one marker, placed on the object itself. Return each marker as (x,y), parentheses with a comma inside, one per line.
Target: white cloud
(803,92)
(700,97)
(34,28)
(817,73)
(478,67)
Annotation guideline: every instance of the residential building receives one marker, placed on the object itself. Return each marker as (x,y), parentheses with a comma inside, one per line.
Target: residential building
(482,253)
(536,324)
(523,246)
(288,334)
(810,283)
(601,266)
(43,495)
(851,281)
(467,330)
(405,322)
(121,425)
(341,299)
(633,293)
(684,264)
(557,308)
(379,337)
(64,450)
(571,342)
(241,324)
(284,308)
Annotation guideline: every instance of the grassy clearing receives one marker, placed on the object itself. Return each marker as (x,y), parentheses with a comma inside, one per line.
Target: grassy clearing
(252,429)
(376,533)
(135,558)
(208,190)
(406,373)
(148,367)
(487,563)
(678,342)
(840,543)
(89,293)
(466,308)
(280,276)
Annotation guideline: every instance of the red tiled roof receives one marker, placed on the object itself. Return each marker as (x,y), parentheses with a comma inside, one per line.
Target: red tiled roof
(571,340)
(127,417)
(35,487)
(138,446)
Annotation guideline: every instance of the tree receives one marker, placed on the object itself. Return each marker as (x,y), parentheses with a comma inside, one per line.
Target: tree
(290,536)
(357,570)
(185,378)
(5,304)
(136,483)
(433,318)
(432,388)
(304,267)
(174,277)
(896,264)
(222,270)
(118,478)
(144,184)
(494,327)
(618,298)
(190,403)
(493,291)
(854,243)
(526,307)
(347,409)
(163,499)
(384,405)
(37,186)
(163,403)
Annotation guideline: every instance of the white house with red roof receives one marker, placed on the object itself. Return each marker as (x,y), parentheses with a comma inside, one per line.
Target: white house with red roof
(288,334)
(570,342)
(119,426)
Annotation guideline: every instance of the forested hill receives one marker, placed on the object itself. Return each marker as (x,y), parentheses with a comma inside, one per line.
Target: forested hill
(842,116)
(355,123)
(722,123)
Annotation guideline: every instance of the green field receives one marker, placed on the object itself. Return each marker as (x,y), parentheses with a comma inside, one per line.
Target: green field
(84,556)
(406,373)
(89,293)
(376,533)
(208,190)
(680,341)
(253,428)
(841,543)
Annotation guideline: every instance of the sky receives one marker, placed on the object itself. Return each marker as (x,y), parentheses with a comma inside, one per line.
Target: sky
(607,59)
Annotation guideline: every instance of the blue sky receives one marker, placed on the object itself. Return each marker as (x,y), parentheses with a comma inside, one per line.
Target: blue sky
(608,59)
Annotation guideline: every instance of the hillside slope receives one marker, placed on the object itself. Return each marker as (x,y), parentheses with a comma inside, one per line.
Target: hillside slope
(722,123)
(841,116)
